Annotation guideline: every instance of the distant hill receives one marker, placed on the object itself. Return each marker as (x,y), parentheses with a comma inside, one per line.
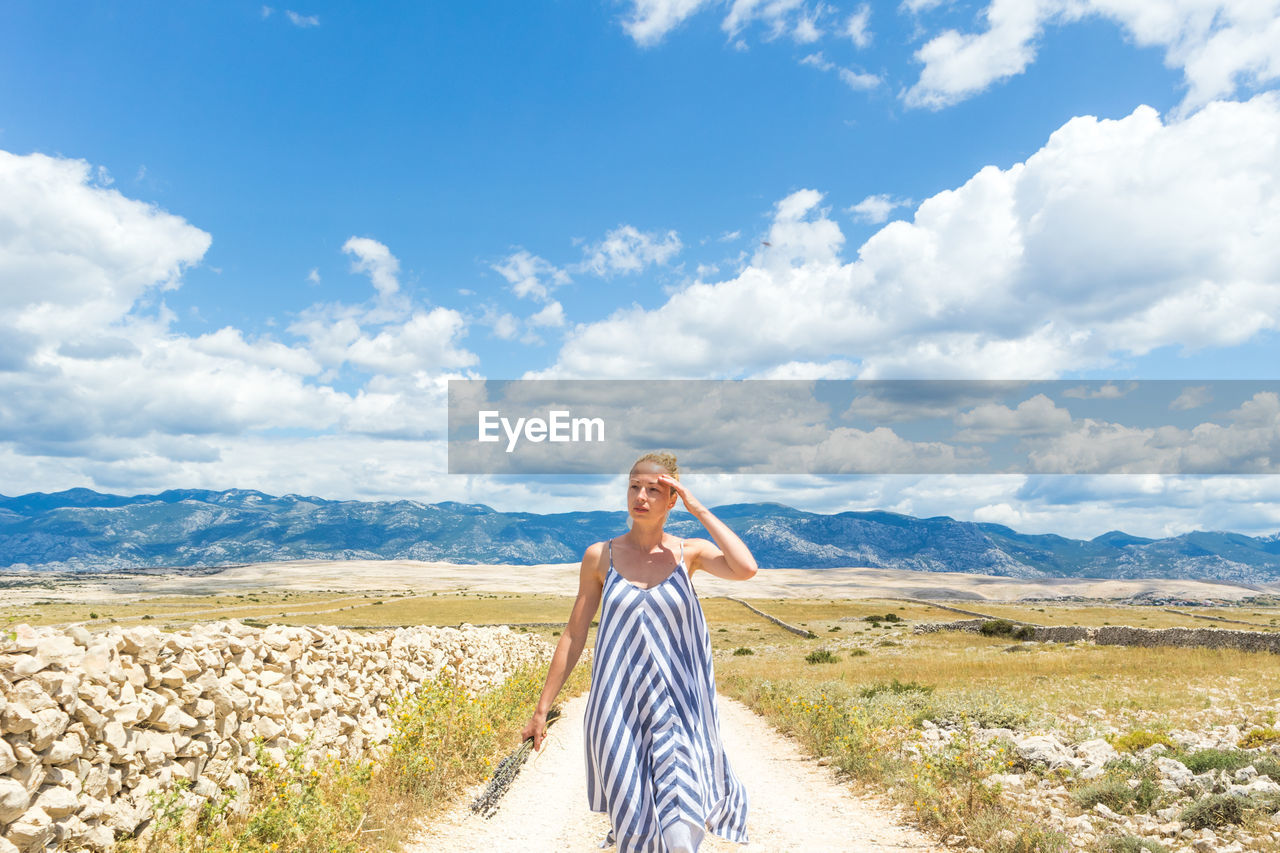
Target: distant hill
(83,531)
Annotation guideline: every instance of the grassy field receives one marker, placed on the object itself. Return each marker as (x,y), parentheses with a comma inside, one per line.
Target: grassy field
(860,698)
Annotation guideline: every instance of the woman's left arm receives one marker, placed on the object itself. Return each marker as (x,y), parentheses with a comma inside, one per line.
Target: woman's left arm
(732,560)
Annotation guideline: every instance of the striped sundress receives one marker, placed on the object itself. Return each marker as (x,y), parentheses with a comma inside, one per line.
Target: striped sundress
(655,762)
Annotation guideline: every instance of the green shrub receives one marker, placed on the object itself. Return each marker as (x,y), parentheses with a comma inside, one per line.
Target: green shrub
(1268,765)
(858,653)
(1259,737)
(1005,628)
(820,656)
(743,650)
(1140,739)
(895,687)
(1215,810)
(1203,760)
(1113,790)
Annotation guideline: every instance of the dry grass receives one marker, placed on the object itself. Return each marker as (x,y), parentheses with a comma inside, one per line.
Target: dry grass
(443,741)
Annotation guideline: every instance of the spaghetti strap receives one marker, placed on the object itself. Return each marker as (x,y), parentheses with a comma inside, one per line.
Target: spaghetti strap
(611,553)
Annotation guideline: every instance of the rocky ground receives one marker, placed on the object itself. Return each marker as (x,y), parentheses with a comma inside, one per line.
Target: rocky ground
(1091,791)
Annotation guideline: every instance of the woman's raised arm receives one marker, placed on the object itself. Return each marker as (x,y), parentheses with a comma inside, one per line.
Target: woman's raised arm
(732,558)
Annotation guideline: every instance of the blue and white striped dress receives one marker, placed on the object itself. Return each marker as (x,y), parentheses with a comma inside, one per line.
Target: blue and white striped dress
(655,762)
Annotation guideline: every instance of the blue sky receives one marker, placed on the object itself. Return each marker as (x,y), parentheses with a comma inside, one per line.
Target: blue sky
(247,245)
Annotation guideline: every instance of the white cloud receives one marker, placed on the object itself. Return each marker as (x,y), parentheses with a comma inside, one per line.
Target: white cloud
(1116,238)
(806,29)
(376,261)
(303,21)
(780,16)
(856,80)
(529,275)
(550,316)
(1108,391)
(93,373)
(1219,46)
(859,81)
(506,326)
(314,275)
(1192,397)
(1249,443)
(75,256)
(626,249)
(856,28)
(876,209)
(818,61)
(651,20)
(1033,417)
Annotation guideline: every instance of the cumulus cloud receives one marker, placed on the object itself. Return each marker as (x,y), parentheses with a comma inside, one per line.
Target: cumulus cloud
(1219,46)
(75,255)
(93,373)
(651,20)
(530,276)
(876,209)
(1248,443)
(1116,238)
(1032,417)
(550,316)
(859,81)
(627,249)
(376,261)
(857,27)
(1192,397)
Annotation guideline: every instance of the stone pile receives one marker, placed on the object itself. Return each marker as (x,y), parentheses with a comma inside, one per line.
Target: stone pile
(94,723)
(1045,792)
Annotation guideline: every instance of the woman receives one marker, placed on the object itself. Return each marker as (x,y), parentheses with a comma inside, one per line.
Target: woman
(654,758)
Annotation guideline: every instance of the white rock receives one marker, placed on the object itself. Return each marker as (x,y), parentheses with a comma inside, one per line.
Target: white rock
(32,829)
(57,801)
(1046,749)
(1103,810)
(1175,771)
(1246,774)
(14,800)
(1096,751)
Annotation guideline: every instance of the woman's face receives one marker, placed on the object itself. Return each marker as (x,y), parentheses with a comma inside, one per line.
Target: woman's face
(646,496)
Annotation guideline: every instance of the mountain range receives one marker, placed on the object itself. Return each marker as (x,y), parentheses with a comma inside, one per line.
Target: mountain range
(81,530)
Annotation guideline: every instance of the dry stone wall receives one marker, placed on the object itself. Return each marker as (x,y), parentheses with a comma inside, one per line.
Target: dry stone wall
(93,723)
(1124,635)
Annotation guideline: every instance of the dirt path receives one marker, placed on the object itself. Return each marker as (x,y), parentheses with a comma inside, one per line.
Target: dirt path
(794,803)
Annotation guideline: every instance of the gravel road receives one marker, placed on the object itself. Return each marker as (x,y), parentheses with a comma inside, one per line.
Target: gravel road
(794,803)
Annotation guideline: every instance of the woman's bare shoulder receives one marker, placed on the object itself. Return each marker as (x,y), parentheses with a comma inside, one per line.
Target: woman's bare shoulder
(595,550)
(594,559)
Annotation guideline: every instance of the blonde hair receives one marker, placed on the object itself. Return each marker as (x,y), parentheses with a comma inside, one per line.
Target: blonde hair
(664,460)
